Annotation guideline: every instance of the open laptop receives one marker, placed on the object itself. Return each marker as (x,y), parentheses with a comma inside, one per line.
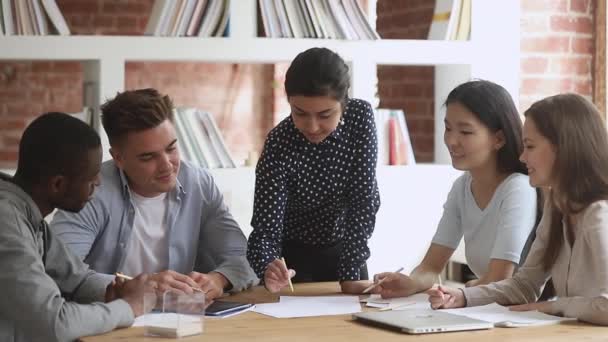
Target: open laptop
(421,321)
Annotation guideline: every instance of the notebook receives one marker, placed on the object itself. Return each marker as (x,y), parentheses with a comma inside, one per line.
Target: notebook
(421,321)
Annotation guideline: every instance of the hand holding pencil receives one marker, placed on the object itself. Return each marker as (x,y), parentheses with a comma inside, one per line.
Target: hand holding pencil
(277,276)
(381,278)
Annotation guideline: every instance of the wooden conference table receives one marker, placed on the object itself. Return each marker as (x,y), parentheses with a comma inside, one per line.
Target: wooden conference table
(250,326)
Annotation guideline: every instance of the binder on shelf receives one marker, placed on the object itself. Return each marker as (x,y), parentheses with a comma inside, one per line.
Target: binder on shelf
(464,23)
(200,139)
(445,20)
(54,14)
(394,143)
(7,16)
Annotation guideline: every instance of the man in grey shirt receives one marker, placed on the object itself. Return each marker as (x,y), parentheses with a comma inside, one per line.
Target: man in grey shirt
(154,213)
(48,293)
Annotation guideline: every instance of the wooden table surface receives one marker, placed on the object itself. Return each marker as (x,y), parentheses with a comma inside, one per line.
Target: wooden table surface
(250,326)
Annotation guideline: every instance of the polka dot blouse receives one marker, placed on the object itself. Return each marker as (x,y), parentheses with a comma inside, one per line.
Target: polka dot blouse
(317,194)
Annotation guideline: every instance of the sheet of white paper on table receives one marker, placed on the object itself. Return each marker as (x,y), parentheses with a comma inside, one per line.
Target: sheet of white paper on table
(416,301)
(290,307)
(501,316)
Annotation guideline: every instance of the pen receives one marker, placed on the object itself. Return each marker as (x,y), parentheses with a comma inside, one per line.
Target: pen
(126,277)
(380,282)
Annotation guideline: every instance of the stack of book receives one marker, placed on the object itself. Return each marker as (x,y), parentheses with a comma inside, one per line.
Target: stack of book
(202,18)
(394,144)
(31,18)
(337,19)
(451,20)
(199,139)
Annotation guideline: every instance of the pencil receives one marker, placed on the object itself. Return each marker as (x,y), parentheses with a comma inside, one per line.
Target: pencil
(439,276)
(380,282)
(288,278)
(126,277)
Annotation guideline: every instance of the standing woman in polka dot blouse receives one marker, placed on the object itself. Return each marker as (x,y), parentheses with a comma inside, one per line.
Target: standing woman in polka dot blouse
(316,194)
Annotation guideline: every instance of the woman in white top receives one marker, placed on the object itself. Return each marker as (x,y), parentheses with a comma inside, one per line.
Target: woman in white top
(491,205)
(565,151)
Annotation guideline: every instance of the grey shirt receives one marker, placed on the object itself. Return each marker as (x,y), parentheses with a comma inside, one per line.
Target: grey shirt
(203,236)
(48,294)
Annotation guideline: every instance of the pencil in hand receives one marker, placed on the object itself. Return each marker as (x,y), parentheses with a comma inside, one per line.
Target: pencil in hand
(288,277)
(372,286)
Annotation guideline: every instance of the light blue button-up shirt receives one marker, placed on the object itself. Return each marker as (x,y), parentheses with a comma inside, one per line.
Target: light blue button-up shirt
(203,236)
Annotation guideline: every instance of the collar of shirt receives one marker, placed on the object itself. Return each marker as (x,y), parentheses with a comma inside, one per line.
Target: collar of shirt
(124,185)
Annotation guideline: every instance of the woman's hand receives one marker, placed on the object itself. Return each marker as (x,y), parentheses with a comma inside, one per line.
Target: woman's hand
(394,284)
(446,298)
(277,276)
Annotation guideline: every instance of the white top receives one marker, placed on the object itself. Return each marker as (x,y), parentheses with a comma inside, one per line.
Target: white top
(499,231)
(148,247)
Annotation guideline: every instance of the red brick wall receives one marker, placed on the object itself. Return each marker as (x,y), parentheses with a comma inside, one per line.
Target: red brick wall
(556,56)
(242,108)
(405,87)
(556,48)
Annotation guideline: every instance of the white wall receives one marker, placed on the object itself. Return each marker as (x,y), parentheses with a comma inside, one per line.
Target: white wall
(412,200)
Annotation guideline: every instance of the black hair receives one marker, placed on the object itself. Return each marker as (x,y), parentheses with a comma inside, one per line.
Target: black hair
(54,144)
(318,72)
(494,107)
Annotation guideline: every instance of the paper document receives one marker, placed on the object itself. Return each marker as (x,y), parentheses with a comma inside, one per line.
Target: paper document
(416,301)
(501,316)
(290,307)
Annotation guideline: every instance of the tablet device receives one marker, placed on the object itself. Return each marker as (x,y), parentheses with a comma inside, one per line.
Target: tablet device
(221,308)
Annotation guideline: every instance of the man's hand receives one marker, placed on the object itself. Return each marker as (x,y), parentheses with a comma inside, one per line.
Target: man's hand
(212,283)
(171,280)
(277,276)
(132,291)
(446,298)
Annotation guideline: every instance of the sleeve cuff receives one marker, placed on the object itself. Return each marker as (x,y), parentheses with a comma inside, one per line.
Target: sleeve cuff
(122,312)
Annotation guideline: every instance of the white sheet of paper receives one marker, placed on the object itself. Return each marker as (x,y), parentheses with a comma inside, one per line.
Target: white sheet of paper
(290,307)
(501,316)
(416,301)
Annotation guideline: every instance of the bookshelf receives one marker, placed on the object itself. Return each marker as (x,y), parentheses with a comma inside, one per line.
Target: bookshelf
(492,53)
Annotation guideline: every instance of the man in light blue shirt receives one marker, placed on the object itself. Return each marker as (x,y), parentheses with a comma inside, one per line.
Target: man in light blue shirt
(154,213)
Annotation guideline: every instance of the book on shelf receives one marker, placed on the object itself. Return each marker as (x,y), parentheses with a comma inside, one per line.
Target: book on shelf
(394,143)
(200,139)
(31,18)
(451,20)
(189,18)
(336,19)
